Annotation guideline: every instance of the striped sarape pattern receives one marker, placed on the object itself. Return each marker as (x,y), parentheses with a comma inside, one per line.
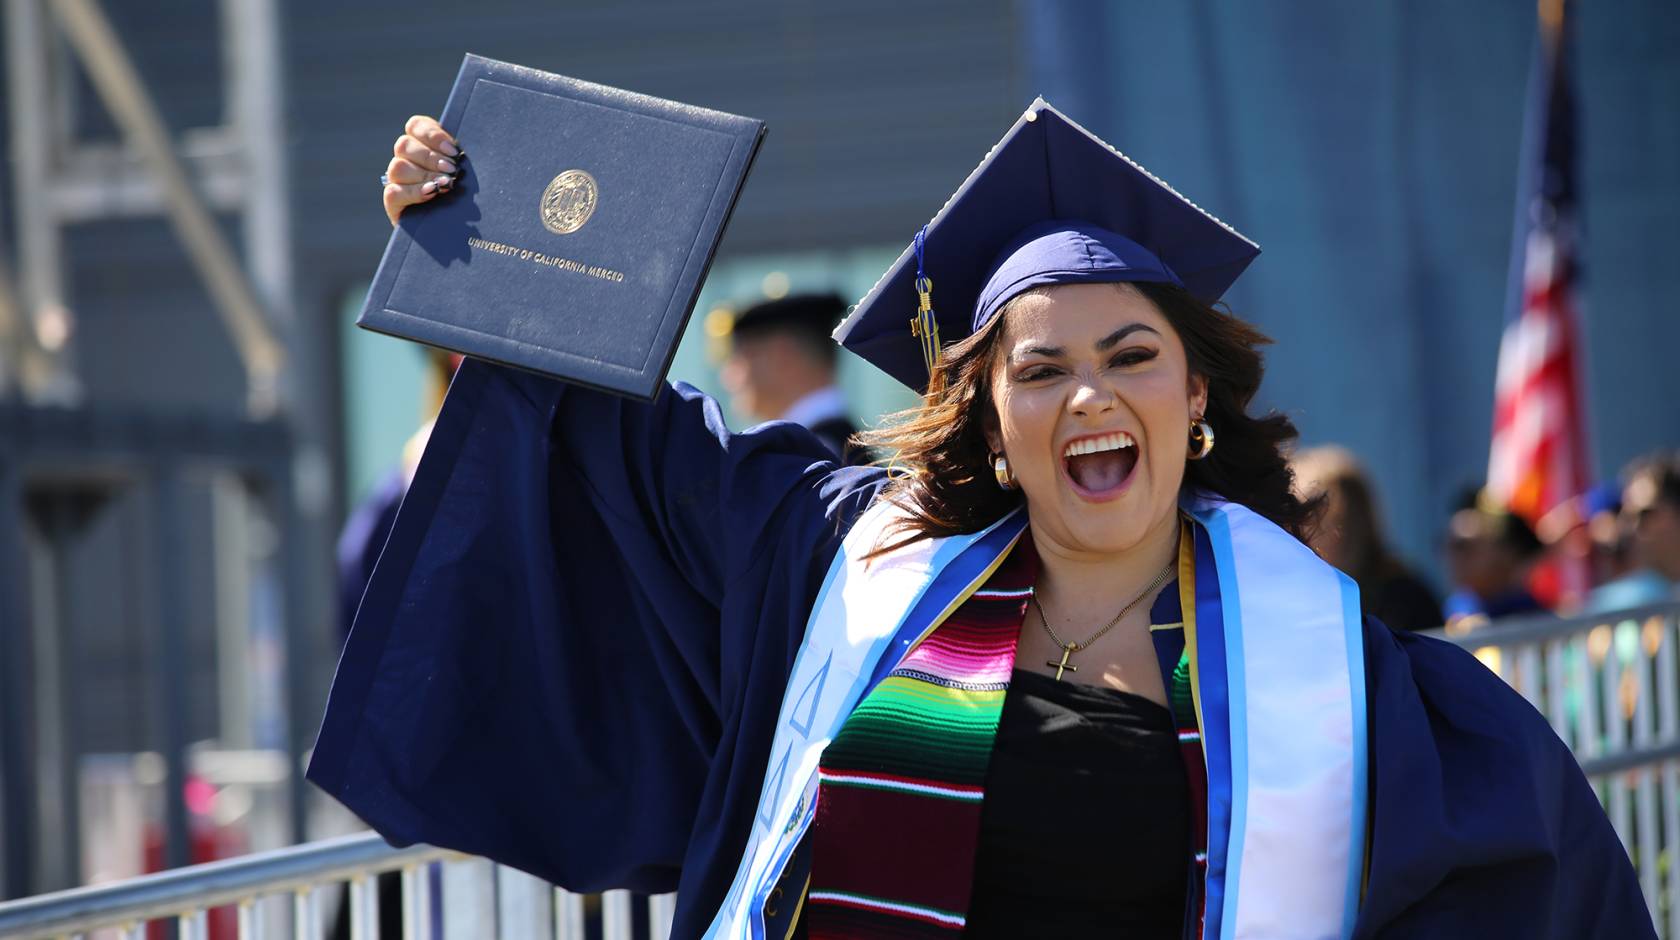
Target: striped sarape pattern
(900,787)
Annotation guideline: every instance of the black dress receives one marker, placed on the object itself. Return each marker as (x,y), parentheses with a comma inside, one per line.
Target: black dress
(1085,831)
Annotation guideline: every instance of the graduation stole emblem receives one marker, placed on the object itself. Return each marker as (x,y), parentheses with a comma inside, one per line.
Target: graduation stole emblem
(1274,643)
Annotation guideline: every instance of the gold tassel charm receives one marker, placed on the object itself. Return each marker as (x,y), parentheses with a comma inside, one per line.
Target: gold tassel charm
(924,326)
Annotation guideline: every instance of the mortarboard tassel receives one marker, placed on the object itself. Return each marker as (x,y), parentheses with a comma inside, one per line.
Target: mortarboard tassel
(923,325)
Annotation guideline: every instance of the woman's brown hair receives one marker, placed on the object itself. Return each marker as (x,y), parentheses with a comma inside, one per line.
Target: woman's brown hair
(947,486)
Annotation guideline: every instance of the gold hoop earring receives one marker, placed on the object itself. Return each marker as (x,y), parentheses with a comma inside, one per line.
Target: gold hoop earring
(1000,470)
(1201,439)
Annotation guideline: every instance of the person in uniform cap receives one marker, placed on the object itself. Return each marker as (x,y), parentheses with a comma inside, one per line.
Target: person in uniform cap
(781,367)
(1062,669)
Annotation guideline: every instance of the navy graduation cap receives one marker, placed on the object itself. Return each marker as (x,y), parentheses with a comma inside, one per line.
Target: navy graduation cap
(1050,204)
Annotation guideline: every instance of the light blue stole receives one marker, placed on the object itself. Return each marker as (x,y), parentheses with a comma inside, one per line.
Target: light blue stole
(1279,680)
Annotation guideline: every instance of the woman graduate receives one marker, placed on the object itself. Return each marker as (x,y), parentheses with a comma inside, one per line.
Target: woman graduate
(1064,671)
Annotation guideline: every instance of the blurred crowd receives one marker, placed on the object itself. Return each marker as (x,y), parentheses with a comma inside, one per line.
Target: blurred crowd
(1613,547)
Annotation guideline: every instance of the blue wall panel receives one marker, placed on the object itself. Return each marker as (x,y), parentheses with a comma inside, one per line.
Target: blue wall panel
(1371,150)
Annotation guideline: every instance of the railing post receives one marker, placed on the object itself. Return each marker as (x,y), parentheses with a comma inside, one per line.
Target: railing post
(568,915)
(616,915)
(306,920)
(524,904)
(1527,661)
(364,907)
(250,924)
(1557,654)
(1587,734)
(193,925)
(661,909)
(469,899)
(417,902)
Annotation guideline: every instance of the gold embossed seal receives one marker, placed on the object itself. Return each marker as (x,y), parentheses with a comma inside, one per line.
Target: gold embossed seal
(569,201)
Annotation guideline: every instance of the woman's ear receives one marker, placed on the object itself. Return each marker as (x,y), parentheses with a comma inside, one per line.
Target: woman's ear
(1198,394)
(993,431)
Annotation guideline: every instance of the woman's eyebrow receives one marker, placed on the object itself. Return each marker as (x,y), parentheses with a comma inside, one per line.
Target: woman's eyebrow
(1049,352)
(1113,339)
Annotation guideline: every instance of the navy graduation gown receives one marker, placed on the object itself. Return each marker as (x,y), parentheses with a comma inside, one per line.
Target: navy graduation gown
(1482,823)
(571,654)
(573,649)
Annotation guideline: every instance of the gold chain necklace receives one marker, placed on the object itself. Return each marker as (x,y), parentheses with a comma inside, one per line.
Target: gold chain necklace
(1068,649)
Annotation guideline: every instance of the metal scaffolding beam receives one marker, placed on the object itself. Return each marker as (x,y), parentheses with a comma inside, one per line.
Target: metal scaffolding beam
(125,95)
(33,142)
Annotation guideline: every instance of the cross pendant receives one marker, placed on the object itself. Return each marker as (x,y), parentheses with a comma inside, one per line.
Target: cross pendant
(1066,652)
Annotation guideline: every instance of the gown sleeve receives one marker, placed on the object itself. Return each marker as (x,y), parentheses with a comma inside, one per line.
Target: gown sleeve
(1482,824)
(572,652)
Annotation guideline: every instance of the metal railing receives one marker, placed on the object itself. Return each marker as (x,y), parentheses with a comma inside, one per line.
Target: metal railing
(1609,684)
(478,899)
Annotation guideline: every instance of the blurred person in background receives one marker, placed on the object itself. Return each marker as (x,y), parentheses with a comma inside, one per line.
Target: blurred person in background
(781,367)
(369,524)
(1610,554)
(1490,554)
(1587,531)
(1650,522)
(1349,535)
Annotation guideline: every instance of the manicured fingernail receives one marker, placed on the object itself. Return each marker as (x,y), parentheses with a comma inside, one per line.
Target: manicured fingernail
(444,182)
(447,166)
(449,149)
(429,188)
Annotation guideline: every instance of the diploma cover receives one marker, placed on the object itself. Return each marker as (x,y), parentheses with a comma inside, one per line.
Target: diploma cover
(577,239)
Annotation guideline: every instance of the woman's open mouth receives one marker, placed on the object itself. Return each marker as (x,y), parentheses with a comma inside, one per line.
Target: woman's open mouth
(1100,466)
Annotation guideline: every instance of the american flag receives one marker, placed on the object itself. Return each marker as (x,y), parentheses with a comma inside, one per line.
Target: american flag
(1539,454)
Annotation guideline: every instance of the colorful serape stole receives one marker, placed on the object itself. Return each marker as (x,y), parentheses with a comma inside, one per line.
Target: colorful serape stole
(905,775)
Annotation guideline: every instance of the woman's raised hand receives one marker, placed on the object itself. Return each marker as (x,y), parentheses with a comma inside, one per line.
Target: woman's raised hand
(425,162)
